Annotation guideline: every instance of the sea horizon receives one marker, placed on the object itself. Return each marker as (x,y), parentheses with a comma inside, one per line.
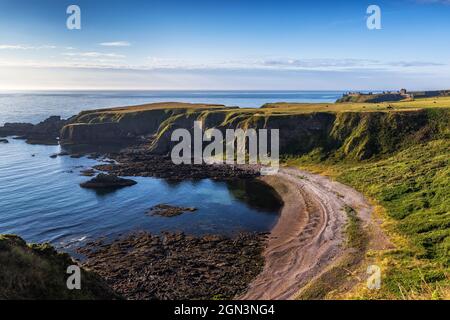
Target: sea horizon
(36,106)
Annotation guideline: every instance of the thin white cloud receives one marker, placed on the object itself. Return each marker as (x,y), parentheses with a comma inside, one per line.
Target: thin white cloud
(343,63)
(93,54)
(116,44)
(99,60)
(24,47)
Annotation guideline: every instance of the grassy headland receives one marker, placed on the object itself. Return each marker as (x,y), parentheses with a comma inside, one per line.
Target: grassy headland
(411,187)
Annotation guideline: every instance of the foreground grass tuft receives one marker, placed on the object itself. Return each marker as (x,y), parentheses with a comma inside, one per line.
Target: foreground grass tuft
(38,272)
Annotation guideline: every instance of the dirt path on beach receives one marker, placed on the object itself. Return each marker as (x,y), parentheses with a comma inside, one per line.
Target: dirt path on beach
(308,236)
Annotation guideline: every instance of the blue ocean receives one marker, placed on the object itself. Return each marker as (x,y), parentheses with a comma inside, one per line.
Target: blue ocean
(36,106)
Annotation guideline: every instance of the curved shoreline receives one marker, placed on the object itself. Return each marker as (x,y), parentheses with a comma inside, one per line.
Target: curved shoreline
(309,235)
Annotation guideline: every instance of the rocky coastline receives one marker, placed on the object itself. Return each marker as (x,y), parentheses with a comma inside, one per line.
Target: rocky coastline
(138,161)
(46,132)
(175,266)
(158,266)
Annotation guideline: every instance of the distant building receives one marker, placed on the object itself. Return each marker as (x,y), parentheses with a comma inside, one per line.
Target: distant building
(402,92)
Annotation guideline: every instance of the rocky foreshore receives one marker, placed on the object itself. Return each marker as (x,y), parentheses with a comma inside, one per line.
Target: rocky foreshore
(175,266)
(139,162)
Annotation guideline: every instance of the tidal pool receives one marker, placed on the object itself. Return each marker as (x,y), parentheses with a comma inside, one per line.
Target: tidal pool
(41,201)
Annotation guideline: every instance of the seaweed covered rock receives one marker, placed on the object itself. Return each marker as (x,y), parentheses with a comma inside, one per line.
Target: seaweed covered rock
(175,266)
(165,210)
(38,271)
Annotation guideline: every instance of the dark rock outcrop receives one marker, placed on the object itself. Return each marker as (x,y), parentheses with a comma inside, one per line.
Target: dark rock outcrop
(107,181)
(166,210)
(4,141)
(45,132)
(87,173)
(141,162)
(15,129)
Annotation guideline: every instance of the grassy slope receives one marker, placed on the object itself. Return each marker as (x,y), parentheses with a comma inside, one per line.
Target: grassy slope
(280,108)
(39,272)
(412,188)
(441,102)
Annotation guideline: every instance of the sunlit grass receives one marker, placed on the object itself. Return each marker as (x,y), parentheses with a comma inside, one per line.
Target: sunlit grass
(413,187)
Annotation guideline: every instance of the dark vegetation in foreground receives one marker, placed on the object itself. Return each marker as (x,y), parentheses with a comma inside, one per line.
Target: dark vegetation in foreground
(38,272)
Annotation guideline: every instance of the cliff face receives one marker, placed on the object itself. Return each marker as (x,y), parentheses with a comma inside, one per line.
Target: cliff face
(349,135)
(108,128)
(122,125)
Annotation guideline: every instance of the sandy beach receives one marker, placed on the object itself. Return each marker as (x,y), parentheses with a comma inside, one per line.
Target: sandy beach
(308,237)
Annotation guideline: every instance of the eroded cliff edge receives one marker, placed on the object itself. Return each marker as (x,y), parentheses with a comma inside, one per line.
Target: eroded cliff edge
(352,135)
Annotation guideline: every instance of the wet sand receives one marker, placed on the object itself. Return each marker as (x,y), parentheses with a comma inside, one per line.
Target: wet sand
(308,237)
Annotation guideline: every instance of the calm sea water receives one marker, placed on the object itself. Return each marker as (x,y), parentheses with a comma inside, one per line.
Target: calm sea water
(40,200)
(36,106)
(40,197)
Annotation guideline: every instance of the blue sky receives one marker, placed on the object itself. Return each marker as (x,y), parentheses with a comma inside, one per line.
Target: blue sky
(247,45)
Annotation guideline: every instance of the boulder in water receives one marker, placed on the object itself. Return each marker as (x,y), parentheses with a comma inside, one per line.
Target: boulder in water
(107,181)
(166,210)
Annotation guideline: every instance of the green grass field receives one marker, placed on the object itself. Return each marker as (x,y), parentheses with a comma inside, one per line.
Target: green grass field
(426,103)
(283,108)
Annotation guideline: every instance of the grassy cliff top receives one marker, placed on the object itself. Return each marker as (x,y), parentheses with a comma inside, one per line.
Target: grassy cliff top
(410,105)
(159,106)
(285,107)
